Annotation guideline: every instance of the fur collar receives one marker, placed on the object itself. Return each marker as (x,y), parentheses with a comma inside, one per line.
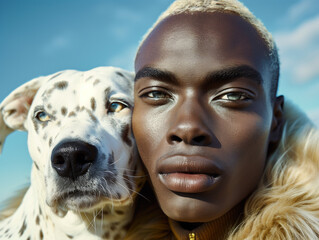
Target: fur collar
(285,205)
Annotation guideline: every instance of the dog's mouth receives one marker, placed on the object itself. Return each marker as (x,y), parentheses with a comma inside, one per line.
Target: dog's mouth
(77,194)
(76,200)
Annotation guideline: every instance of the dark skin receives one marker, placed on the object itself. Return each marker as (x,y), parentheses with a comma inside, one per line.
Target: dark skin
(204,118)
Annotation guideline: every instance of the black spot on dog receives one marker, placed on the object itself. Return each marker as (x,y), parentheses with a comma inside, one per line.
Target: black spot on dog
(88,78)
(77,108)
(39,150)
(64,111)
(97,81)
(22,229)
(41,235)
(36,125)
(50,142)
(36,166)
(45,136)
(107,92)
(69,236)
(37,220)
(119,212)
(55,75)
(72,114)
(47,93)
(113,226)
(92,117)
(106,235)
(117,237)
(125,134)
(28,238)
(49,106)
(93,104)
(120,74)
(59,123)
(61,85)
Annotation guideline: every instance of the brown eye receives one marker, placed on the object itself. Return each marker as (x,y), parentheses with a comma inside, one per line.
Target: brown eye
(116,107)
(42,116)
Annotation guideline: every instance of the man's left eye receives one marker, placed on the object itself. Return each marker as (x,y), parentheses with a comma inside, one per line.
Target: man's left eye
(234,96)
(116,107)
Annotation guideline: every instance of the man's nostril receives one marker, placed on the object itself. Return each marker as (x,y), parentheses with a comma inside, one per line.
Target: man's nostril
(175,138)
(199,139)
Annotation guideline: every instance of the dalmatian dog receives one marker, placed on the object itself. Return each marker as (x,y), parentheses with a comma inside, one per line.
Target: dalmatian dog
(85,174)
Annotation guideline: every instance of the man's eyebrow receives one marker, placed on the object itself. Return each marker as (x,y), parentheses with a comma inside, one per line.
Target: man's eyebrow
(162,75)
(234,72)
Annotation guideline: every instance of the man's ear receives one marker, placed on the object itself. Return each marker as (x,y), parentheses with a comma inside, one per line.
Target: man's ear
(277,124)
(15,107)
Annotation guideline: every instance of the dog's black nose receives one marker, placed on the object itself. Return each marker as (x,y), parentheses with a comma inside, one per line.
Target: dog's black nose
(73,159)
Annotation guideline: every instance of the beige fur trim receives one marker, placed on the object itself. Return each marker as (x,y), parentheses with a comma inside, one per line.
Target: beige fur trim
(286,204)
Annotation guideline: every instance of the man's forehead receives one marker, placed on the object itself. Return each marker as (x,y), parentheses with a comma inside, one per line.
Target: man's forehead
(200,31)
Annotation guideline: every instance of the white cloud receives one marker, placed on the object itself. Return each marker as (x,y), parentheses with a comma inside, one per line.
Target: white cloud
(299,50)
(124,59)
(306,33)
(58,42)
(129,15)
(299,9)
(117,12)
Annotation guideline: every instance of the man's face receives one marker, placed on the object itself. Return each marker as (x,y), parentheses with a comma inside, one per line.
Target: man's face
(203,113)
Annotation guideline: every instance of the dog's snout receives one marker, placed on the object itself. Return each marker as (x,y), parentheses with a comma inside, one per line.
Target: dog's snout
(73,159)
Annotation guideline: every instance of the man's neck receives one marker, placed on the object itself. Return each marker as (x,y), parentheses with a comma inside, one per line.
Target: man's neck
(216,229)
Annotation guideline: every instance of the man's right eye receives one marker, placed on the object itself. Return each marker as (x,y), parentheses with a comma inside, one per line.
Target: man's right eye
(156,97)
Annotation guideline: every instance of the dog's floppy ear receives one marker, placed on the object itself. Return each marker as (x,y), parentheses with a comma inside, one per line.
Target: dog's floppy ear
(14,108)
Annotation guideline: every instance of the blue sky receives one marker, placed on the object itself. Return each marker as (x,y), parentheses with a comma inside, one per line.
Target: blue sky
(40,37)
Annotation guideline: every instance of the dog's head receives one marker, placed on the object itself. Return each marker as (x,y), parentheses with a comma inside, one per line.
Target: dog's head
(79,136)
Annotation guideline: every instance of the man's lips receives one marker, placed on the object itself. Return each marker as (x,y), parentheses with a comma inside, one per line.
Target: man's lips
(189,174)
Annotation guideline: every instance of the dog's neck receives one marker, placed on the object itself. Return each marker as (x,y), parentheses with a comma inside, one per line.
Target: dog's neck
(34,219)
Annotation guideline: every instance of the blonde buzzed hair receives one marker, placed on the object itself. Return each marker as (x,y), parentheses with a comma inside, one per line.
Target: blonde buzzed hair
(232,7)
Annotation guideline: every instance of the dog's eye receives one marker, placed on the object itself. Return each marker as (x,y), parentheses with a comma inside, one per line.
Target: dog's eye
(42,116)
(116,107)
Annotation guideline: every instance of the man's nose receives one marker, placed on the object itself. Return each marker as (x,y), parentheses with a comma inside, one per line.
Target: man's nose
(190,125)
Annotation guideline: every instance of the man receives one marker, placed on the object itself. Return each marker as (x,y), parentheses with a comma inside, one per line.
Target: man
(206,116)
